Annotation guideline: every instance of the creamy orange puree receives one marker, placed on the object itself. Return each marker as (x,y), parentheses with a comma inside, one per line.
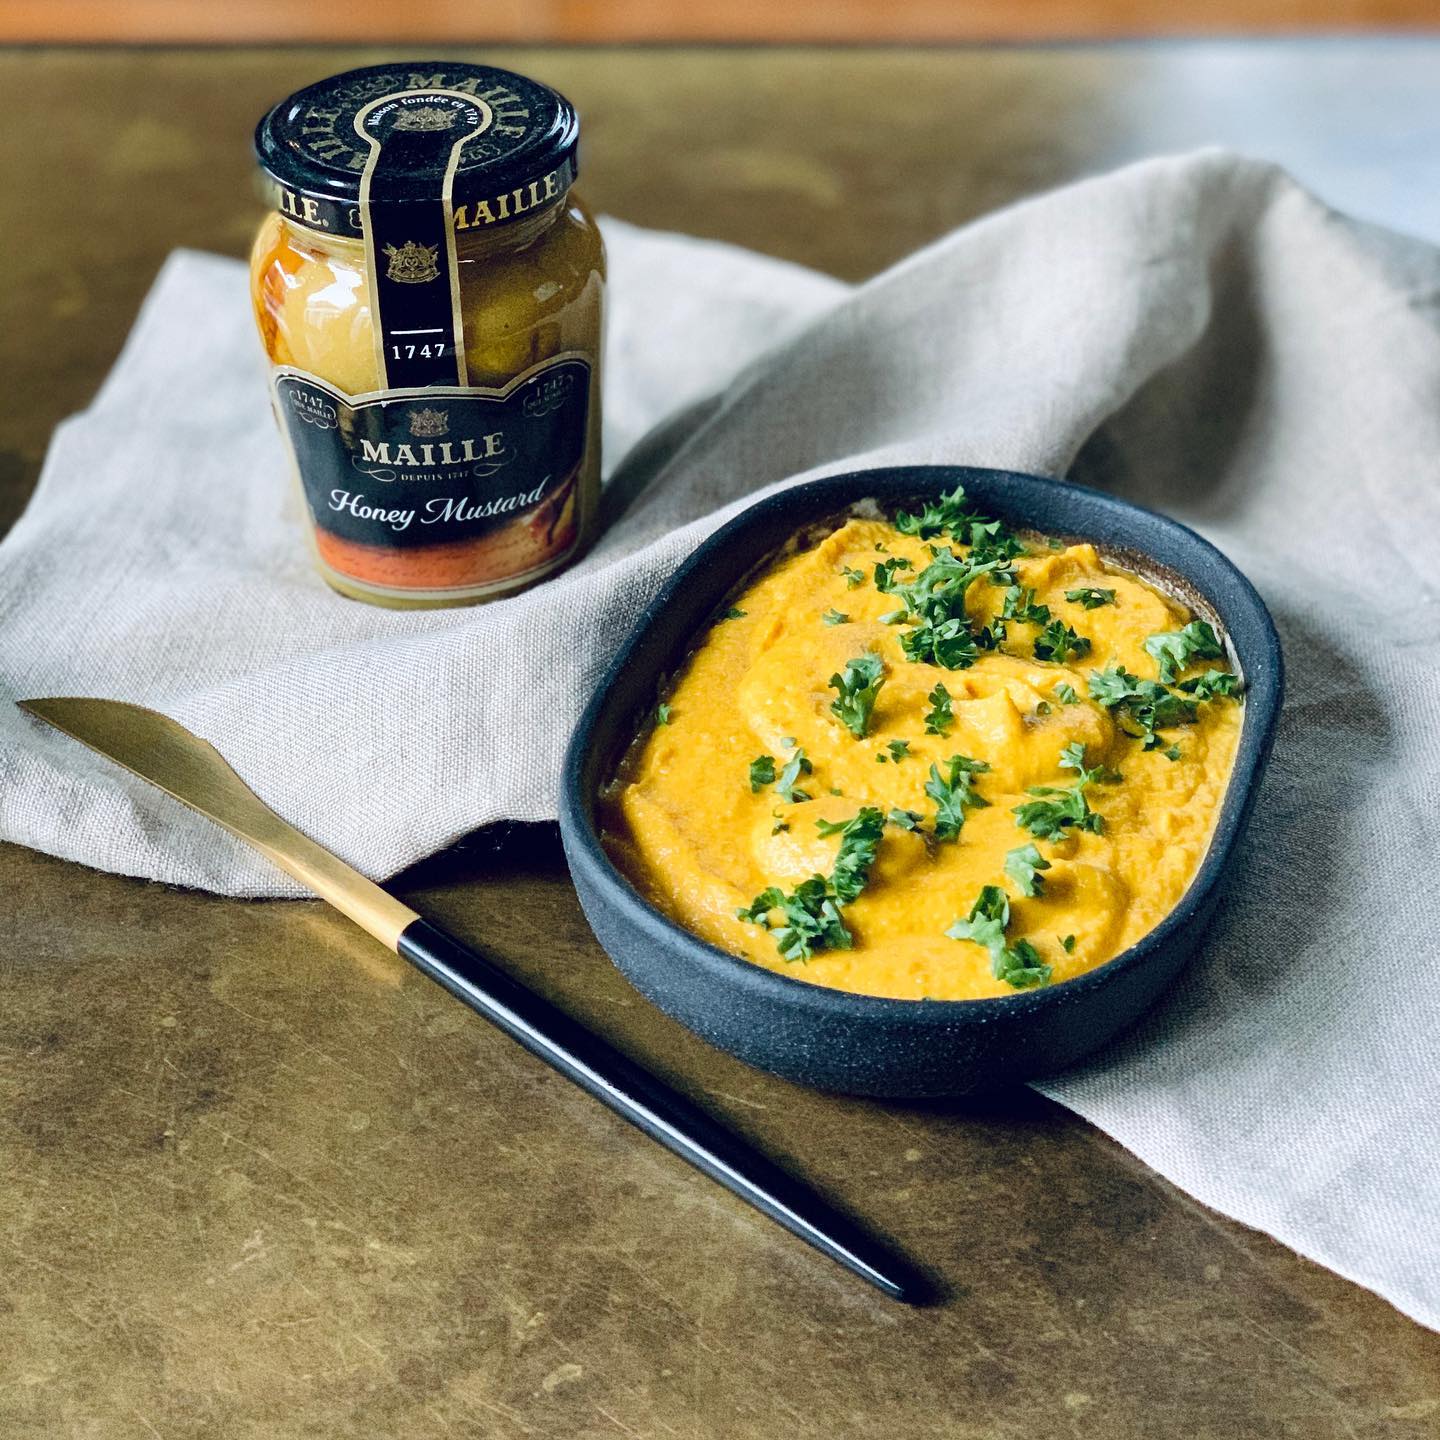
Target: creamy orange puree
(685,825)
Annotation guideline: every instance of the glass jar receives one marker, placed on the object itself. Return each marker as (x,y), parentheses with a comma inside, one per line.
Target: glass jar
(430,294)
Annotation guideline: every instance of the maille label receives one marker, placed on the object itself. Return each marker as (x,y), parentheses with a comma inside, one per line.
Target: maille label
(409,243)
(405,471)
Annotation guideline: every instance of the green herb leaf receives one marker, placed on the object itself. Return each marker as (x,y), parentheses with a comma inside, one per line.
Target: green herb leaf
(662,714)
(809,919)
(1150,705)
(1059,809)
(1019,964)
(809,916)
(1019,605)
(859,839)
(1090,597)
(1211,685)
(905,819)
(795,767)
(953,793)
(858,687)
(1022,966)
(1065,693)
(940,717)
(1023,865)
(1067,944)
(853,578)
(950,645)
(885,572)
(734,613)
(1174,650)
(1057,641)
(899,750)
(939,517)
(985,925)
(762,773)
(835,617)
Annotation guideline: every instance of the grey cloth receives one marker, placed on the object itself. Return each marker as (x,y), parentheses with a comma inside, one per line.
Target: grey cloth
(1197,334)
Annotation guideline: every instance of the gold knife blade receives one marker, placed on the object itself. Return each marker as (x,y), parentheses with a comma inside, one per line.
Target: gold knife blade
(164,752)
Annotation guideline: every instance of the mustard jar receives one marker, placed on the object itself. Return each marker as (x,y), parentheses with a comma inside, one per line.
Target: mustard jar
(429,290)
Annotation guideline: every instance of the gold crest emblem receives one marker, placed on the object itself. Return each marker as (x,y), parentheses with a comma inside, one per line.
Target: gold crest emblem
(412,264)
(427,424)
(426,117)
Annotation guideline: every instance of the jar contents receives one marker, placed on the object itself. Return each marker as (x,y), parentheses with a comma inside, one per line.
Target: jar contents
(429,291)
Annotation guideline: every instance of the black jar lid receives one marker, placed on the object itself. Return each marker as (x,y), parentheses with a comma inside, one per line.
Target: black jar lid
(311,146)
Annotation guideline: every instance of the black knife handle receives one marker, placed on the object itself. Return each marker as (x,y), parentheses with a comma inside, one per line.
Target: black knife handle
(651,1105)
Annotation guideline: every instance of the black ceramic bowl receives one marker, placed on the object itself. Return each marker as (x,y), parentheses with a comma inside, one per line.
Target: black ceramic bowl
(863,1044)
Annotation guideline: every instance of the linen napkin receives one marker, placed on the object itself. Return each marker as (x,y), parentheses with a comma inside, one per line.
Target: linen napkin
(1197,333)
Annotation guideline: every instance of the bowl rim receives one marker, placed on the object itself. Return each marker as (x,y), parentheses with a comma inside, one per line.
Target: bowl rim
(1264,688)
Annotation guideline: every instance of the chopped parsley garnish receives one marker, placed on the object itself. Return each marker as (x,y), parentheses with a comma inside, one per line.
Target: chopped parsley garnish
(1065,693)
(1174,650)
(810,914)
(1020,605)
(795,767)
(858,687)
(954,793)
(885,572)
(762,773)
(809,918)
(1149,704)
(1090,597)
(949,644)
(734,613)
(1058,809)
(940,717)
(662,714)
(905,819)
(853,578)
(779,825)
(859,839)
(899,750)
(1211,684)
(1172,753)
(947,515)
(1023,865)
(1058,640)
(1067,944)
(1019,964)
(835,617)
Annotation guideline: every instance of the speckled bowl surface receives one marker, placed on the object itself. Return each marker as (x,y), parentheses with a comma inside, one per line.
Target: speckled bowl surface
(869,1045)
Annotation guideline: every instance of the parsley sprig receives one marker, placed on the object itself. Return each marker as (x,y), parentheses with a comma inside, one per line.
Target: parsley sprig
(810,918)
(1019,964)
(1176,650)
(1057,808)
(1090,597)
(940,717)
(1023,865)
(953,793)
(1212,685)
(1059,641)
(858,686)
(859,840)
(1147,703)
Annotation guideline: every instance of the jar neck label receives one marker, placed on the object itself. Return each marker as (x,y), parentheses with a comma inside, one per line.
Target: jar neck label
(489,481)
(410,256)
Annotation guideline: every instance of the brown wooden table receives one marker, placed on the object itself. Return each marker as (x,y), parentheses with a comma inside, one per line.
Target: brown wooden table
(258,1181)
